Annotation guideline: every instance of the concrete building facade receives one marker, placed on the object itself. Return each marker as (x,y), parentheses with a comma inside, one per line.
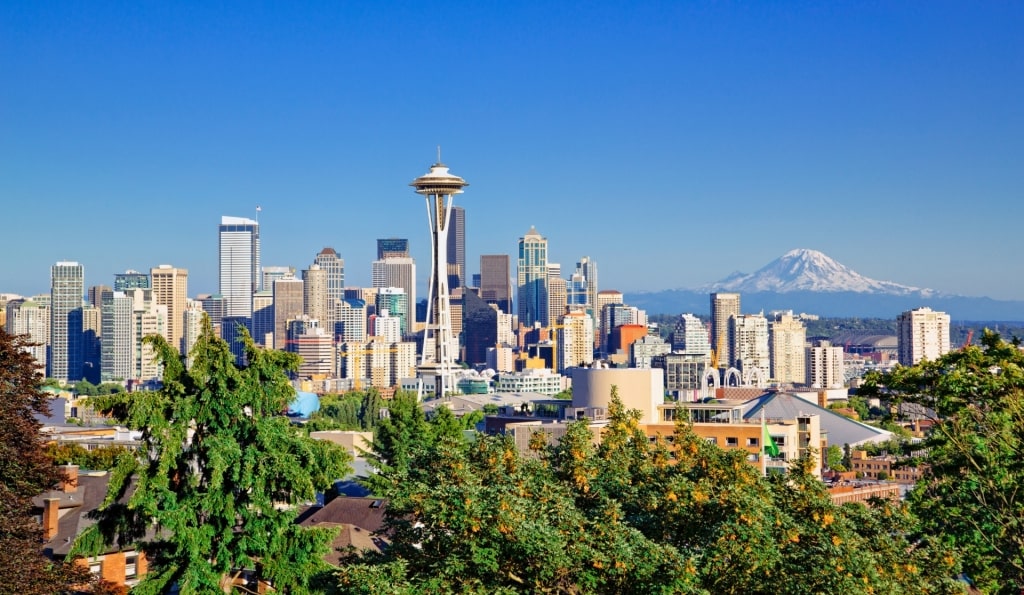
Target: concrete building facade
(922,333)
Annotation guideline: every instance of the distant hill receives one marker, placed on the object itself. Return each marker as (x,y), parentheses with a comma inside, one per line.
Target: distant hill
(809,281)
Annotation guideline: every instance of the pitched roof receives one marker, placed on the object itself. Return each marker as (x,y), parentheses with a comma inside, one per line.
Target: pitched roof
(841,429)
(365,513)
(360,520)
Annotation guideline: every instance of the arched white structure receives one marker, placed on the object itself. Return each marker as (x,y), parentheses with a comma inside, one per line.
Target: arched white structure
(754,377)
(732,374)
(715,384)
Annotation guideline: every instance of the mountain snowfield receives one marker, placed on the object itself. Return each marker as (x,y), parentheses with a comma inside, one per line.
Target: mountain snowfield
(810,270)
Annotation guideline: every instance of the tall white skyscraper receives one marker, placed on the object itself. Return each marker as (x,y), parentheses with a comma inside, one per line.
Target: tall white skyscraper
(117,349)
(239,264)
(690,336)
(67,291)
(26,317)
(825,365)
(787,338)
(921,333)
(749,333)
(575,341)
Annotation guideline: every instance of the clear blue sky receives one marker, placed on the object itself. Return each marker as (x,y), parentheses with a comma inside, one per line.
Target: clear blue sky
(674,143)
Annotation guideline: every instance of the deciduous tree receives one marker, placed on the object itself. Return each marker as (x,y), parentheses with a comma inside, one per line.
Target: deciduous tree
(971,499)
(25,472)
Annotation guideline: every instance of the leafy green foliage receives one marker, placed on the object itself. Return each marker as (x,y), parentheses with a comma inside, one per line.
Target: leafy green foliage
(100,458)
(25,471)
(219,475)
(358,410)
(623,516)
(972,501)
(834,457)
(88,389)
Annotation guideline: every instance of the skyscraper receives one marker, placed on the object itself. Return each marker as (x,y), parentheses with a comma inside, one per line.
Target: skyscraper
(117,348)
(749,345)
(239,254)
(131,280)
(395,301)
(170,288)
(67,287)
(921,334)
(723,307)
(288,305)
(496,281)
(273,273)
(329,261)
(582,288)
(457,248)
(557,294)
(392,248)
(532,274)
(263,317)
(575,341)
(27,317)
(479,328)
(314,297)
(787,337)
(690,336)
(398,271)
(825,368)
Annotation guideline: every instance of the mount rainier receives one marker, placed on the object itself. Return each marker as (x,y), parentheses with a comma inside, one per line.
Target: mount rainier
(809,281)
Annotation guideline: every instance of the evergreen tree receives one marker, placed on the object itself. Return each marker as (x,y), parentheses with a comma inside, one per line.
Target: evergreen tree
(220,474)
(25,472)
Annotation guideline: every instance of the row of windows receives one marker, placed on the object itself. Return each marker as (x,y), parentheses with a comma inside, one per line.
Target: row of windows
(733,442)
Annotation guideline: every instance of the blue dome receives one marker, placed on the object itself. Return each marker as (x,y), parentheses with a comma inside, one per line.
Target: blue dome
(304,405)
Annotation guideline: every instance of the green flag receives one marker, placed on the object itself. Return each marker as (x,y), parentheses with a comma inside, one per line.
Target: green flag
(770,448)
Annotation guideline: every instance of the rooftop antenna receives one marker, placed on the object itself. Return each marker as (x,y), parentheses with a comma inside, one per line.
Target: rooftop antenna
(439,153)
(258,209)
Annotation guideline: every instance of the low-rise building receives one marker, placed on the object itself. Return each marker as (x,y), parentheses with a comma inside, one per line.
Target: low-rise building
(885,467)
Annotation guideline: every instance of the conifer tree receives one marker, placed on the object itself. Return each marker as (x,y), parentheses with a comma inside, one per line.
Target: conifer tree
(220,474)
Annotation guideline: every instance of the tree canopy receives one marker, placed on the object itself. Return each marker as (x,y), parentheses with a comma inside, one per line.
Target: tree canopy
(623,516)
(971,500)
(219,476)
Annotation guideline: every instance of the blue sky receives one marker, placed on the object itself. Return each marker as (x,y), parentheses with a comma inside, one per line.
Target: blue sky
(674,143)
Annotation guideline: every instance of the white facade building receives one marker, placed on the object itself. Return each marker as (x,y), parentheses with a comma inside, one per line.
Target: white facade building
(749,334)
(787,338)
(239,258)
(825,365)
(922,334)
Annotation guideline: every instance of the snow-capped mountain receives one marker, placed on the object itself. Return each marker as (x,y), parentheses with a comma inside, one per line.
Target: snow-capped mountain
(808,281)
(810,270)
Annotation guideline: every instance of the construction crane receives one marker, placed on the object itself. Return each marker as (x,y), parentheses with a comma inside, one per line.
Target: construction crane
(967,341)
(715,352)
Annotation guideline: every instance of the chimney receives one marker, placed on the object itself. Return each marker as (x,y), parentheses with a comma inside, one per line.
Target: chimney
(69,484)
(51,514)
(823,399)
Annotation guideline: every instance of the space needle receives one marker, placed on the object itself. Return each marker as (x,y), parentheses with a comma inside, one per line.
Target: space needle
(438,187)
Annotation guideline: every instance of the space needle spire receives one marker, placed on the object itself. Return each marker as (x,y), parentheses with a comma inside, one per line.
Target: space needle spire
(437,362)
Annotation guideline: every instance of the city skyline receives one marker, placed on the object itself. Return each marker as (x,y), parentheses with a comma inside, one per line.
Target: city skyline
(888,137)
